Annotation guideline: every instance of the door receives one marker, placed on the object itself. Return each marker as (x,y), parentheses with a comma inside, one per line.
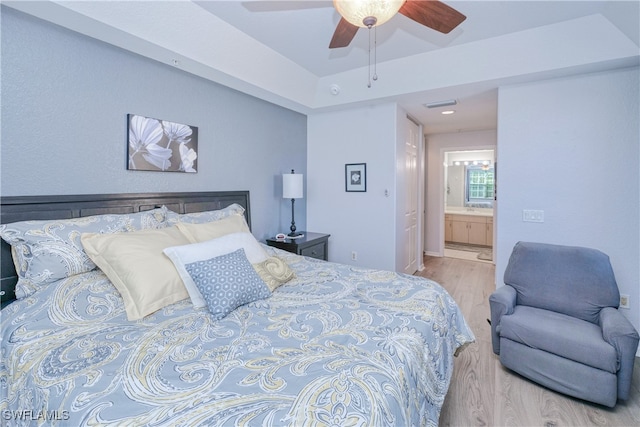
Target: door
(411,198)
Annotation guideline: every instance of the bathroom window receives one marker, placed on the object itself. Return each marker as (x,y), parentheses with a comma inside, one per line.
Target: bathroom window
(479,186)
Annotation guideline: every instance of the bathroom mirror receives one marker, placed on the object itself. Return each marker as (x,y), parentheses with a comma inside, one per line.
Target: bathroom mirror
(469,179)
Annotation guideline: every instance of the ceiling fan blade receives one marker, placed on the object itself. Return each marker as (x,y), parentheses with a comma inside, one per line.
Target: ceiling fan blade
(433,14)
(345,32)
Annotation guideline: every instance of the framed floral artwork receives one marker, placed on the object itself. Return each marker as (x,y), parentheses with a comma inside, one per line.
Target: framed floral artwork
(160,145)
(355,175)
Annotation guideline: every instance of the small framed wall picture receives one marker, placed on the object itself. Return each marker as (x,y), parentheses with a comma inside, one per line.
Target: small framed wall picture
(355,177)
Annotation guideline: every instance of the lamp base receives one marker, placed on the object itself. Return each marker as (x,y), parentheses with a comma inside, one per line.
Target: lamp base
(294,235)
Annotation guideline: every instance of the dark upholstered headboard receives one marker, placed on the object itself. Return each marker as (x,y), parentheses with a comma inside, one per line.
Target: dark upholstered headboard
(22,208)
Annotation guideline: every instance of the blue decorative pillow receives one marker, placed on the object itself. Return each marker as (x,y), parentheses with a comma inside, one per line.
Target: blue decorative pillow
(227,281)
(45,251)
(204,217)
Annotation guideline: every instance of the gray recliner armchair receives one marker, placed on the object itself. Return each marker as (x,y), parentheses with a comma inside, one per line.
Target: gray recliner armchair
(556,322)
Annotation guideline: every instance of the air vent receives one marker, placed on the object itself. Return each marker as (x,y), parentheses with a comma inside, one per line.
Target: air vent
(438,104)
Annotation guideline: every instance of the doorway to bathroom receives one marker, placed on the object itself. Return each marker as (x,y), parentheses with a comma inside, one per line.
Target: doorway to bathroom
(469,201)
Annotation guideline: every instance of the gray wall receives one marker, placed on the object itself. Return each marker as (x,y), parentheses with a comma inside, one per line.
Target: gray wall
(65,98)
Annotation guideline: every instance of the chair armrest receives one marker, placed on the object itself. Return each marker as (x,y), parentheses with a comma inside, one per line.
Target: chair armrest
(620,333)
(501,302)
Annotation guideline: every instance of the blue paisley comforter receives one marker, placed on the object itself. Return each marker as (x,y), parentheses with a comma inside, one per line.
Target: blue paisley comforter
(338,345)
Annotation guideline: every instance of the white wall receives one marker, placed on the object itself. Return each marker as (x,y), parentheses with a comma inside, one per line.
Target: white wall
(360,222)
(570,147)
(437,145)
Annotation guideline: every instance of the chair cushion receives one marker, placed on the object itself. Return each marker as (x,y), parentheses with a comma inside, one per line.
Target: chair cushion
(557,333)
(567,279)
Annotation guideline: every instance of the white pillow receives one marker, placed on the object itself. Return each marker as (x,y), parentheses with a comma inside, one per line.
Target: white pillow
(187,254)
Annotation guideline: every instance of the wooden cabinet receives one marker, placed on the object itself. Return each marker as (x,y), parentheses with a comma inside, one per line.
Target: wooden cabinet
(448,231)
(490,231)
(477,233)
(459,231)
(471,229)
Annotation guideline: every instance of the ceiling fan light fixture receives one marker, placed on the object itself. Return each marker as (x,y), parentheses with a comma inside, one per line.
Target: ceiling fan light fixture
(360,12)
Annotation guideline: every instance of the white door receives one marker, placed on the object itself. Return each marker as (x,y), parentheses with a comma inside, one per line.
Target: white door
(411,198)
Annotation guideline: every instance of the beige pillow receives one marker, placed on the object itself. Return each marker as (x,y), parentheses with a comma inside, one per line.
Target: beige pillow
(136,265)
(274,272)
(211,230)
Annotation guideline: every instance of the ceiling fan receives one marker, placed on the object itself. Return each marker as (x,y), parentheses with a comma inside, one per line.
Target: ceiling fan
(370,13)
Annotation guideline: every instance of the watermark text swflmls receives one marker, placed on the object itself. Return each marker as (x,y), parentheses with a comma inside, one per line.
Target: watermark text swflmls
(31,415)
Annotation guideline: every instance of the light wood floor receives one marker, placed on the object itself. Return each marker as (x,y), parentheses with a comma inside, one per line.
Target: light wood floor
(483,393)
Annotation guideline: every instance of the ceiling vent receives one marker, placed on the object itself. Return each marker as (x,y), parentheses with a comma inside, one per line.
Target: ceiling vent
(438,104)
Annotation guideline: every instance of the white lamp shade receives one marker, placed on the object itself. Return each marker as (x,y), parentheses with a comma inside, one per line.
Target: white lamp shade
(355,11)
(292,186)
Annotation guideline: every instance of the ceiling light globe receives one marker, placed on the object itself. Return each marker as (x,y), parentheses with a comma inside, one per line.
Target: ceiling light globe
(355,11)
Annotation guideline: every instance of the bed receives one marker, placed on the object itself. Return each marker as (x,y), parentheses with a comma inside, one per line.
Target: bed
(328,344)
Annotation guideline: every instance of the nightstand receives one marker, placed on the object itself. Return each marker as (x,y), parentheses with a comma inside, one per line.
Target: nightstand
(314,245)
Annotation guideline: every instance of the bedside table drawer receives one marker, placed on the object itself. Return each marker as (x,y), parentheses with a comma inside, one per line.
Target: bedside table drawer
(313,245)
(316,251)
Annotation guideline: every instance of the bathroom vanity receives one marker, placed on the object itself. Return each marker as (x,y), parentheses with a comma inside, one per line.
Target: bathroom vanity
(471,226)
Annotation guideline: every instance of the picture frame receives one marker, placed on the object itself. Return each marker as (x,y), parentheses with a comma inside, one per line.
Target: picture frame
(355,176)
(161,145)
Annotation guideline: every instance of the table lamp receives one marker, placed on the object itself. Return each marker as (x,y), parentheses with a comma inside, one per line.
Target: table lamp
(292,189)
